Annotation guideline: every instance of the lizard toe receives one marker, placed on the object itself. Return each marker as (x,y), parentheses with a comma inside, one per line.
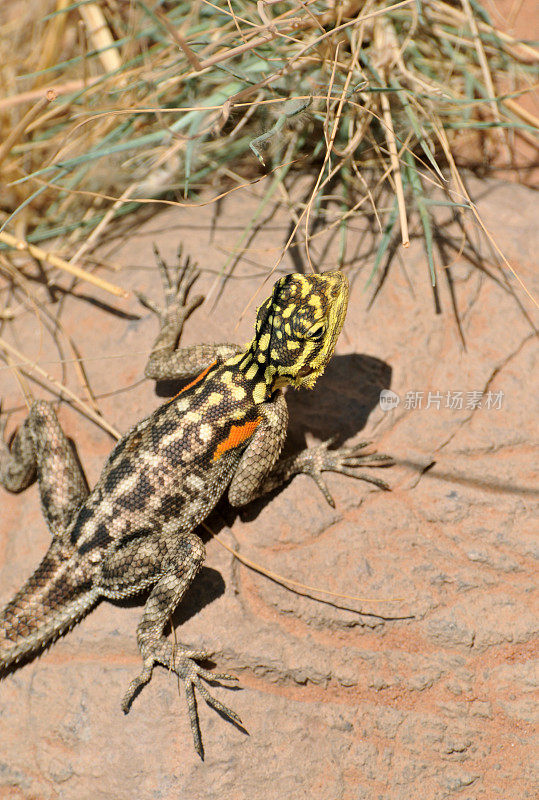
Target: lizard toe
(192,674)
(136,685)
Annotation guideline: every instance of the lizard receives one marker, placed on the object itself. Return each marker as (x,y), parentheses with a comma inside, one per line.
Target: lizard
(223,432)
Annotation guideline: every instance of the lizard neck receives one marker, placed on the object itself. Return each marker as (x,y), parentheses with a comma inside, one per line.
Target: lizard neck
(253,371)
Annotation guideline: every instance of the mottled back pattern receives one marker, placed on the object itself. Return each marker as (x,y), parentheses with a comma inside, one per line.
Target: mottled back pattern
(164,469)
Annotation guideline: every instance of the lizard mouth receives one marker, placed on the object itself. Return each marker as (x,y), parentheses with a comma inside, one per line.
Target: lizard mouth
(307,376)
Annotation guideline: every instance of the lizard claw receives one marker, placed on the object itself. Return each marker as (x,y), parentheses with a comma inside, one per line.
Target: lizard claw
(345,460)
(147,303)
(322,485)
(191,674)
(177,307)
(136,685)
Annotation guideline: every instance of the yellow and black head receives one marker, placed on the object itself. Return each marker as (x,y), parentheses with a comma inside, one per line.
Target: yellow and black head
(297,328)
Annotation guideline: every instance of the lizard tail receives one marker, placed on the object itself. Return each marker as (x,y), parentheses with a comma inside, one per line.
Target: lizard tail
(51,601)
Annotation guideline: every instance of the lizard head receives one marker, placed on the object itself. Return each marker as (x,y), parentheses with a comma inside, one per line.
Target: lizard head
(297,328)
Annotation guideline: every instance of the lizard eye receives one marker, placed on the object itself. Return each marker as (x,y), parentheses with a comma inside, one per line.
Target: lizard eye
(316,332)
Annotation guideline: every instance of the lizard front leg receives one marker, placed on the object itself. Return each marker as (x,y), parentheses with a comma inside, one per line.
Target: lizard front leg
(315,460)
(170,559)
(166,361)
(41,449)
(261,454)
(260,471)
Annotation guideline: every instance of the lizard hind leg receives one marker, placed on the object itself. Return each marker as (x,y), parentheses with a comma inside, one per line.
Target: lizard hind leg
(41,449)
(176,559)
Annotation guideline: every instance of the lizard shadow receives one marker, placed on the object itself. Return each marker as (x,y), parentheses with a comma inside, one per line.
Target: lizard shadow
(339,405)
(208,586)
(337,409)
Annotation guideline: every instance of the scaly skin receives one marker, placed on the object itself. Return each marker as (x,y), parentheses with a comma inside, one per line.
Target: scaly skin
(223,432)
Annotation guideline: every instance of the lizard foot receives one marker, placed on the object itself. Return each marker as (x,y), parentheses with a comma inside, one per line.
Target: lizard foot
(184,665)
(176,288)
(345,460)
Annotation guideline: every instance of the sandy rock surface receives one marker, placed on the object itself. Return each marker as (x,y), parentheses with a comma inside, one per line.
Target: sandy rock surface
(425,694)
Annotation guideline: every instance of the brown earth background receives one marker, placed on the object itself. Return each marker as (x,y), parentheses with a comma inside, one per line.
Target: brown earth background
(427,694)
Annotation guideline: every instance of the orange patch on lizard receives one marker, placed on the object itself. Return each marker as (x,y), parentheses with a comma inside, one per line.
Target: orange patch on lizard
(195,381)
(238,435)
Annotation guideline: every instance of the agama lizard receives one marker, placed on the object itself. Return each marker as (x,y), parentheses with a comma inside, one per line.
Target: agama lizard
(223,432)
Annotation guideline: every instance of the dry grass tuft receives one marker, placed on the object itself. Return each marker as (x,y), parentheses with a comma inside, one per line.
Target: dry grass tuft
(111,105)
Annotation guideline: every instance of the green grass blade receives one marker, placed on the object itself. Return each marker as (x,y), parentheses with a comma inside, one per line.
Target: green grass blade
(384,241)
(424,216)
